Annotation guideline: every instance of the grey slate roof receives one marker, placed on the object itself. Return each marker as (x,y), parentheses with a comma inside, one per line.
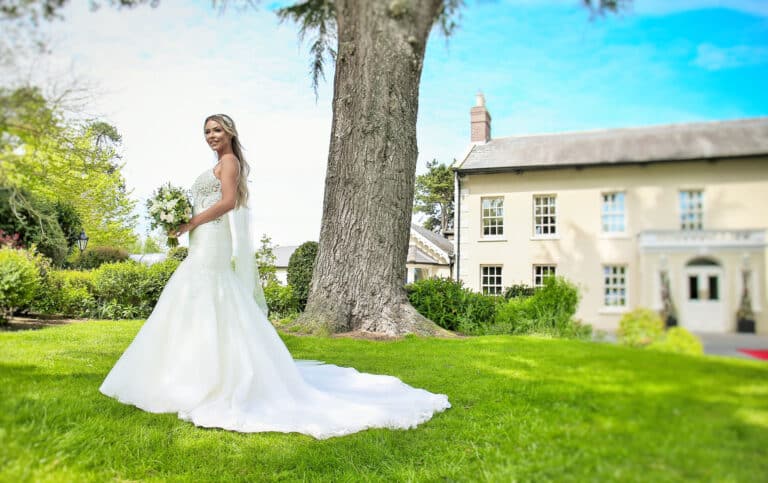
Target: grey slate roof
(439,240)
(673,142)
(415,255)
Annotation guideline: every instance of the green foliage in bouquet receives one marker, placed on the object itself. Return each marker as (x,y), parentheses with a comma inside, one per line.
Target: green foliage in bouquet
(169,208)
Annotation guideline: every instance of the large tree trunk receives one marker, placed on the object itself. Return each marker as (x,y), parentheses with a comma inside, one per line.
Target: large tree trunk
(360,268)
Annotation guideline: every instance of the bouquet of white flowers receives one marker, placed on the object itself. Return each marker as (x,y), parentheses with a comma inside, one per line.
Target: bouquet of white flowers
(169,208)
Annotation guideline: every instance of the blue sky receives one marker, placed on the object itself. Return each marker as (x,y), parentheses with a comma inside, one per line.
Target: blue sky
(546,67)
(543,65)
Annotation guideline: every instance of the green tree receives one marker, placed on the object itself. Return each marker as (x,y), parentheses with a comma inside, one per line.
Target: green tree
(151,245)
(378,47)
(300,268)
(266,259)
(434,196)
(35,221)
(65,162)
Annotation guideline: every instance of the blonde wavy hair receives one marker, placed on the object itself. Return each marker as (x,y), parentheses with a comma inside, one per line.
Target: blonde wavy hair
(229,127)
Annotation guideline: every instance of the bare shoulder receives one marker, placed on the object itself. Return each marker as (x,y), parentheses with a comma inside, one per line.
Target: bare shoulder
(230,159)
(230,166)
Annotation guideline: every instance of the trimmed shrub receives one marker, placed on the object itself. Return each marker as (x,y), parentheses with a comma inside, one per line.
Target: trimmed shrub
(640,327)
(19,280)
(300,267)
(281,300)
(678,340)
(98,256)
(156,277)
(120,283)
(66,292)
(440,299)
(178,253)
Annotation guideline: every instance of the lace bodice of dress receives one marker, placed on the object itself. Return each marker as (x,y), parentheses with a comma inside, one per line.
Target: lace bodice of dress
(206,191)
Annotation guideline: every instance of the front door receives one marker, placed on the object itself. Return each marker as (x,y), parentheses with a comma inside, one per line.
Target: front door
(703,306)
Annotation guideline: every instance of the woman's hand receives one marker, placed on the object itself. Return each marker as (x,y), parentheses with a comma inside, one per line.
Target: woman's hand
(183,228)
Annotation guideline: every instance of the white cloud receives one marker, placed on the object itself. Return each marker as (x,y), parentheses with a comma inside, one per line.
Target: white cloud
(163,70)
(711,57)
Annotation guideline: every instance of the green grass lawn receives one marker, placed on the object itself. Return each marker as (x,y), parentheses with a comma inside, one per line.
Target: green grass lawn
(524,408)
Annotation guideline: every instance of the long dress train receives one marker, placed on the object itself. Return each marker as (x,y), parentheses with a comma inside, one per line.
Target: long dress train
(208,353)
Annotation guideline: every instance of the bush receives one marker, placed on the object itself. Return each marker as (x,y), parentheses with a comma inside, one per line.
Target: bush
(113,291)
(120,283)
(440,299)
(66,292)
(300,267)
(156,277)
(178,253)
(678,340)
(479,309)
(640,328)
(549,310)
(98,256)
(281,299)
(19,280)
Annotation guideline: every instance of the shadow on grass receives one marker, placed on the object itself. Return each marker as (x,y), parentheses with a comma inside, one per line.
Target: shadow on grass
(523,408)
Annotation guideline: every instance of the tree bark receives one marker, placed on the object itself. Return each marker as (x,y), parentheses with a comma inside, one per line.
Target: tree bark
(360,272)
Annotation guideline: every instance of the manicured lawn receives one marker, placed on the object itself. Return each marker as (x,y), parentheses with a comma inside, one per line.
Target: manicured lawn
(524,408)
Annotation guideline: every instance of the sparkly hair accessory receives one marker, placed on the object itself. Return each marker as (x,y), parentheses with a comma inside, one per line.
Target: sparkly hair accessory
(227,120)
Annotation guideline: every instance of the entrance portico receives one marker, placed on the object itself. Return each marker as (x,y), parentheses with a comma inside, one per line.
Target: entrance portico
(707,270)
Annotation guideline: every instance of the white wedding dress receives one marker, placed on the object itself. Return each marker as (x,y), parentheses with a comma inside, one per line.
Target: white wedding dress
(208,353)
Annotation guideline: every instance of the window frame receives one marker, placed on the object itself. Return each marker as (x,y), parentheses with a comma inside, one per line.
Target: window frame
(542,276)
(500,217)
(555,225)
(623,213)
(681,223)
(500,276)
(609,286)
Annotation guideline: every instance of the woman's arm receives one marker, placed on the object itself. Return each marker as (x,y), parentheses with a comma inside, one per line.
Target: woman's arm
(230,171)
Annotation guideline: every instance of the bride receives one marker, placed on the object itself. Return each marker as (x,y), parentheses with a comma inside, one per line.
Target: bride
(208,352)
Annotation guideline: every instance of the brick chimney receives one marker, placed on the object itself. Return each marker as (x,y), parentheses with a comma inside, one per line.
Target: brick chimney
(481,120)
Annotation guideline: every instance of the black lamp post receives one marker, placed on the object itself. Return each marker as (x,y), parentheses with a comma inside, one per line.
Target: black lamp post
(82,241)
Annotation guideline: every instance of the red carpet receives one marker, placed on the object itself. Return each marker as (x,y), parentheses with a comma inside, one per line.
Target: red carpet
(757,353)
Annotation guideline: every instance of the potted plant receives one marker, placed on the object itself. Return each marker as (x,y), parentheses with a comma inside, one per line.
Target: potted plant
(745,318)
(668,311)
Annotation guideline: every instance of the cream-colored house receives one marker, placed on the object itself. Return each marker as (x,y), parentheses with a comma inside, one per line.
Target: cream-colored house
(626,214)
